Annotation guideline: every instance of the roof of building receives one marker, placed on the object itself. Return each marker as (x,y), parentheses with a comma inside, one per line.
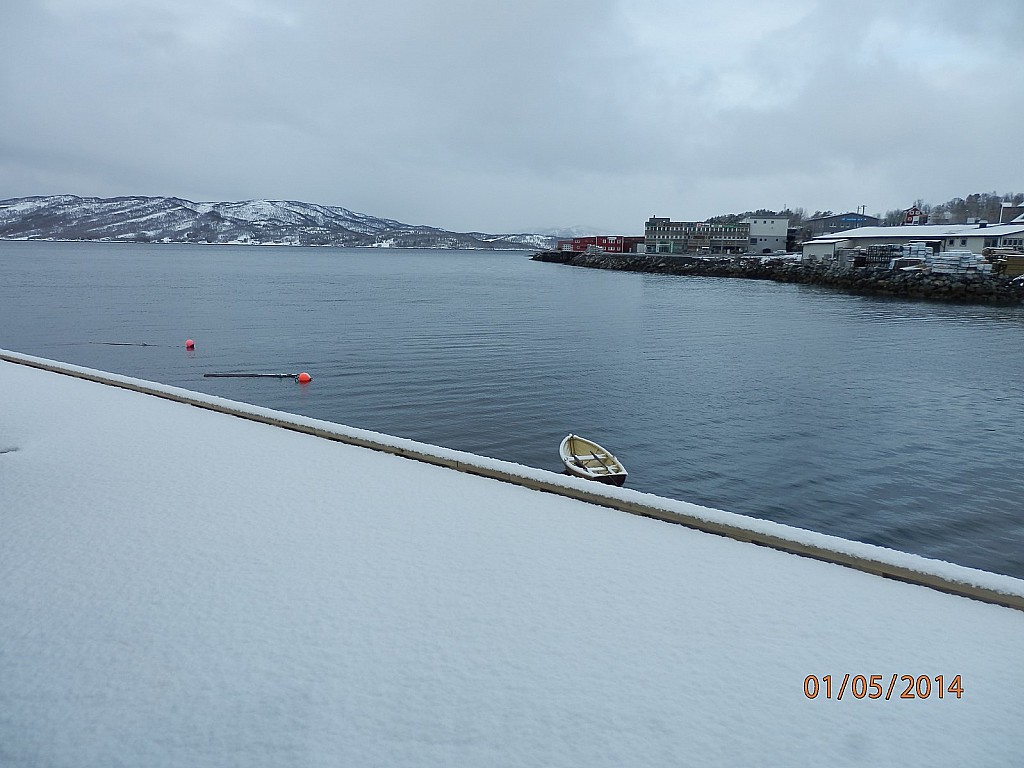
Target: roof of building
(930,231)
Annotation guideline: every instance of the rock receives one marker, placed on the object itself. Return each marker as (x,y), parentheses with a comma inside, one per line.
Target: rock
(919,285)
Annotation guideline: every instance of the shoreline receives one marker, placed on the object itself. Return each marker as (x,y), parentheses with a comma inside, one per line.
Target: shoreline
(896,565)
(969,288)
(187,586)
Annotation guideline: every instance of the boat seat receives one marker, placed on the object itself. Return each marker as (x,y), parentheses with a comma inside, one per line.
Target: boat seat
(590,456)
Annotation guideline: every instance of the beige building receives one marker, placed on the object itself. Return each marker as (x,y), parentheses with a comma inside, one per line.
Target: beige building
(767,233)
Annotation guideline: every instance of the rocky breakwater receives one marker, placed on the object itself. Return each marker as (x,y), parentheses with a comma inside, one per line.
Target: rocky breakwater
(967,288)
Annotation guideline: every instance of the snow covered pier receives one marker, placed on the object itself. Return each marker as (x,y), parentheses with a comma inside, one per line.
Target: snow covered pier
(179,586)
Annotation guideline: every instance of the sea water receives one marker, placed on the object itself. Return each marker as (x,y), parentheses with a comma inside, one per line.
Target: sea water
(893,422)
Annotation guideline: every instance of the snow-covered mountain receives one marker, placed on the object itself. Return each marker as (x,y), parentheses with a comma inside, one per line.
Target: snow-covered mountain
(256,222)
(580,230)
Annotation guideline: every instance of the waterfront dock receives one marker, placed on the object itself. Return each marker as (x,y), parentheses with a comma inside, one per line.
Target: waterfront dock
(968,288)
(187,580)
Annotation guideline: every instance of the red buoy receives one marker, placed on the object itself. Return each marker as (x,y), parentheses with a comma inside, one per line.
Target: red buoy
(304,378)
(189,344)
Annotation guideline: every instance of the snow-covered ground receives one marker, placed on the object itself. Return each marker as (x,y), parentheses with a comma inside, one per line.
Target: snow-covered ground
(180,587)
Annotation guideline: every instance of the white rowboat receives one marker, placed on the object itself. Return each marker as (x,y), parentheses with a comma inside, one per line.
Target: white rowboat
(585,458)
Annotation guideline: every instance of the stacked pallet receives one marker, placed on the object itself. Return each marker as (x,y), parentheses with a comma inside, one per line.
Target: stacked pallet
(880,255)
(911,255)
(916,249)
(958,263)
(1014,266)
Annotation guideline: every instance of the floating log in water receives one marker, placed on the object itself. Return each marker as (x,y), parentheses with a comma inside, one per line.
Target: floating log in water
(125,344)
(250,375)
(302,378)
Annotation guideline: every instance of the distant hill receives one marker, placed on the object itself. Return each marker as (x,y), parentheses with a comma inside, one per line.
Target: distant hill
(581,230)
(252,222)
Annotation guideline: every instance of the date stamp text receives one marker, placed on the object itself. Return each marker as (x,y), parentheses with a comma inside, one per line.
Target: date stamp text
(895,686)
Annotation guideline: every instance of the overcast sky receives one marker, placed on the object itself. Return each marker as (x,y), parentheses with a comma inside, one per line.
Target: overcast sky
(506,116)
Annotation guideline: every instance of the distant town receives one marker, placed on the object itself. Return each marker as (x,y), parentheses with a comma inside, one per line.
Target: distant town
(979,233)
(903,239)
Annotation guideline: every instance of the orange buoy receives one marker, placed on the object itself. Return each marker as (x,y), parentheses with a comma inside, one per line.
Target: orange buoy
(304,378)
(189,344)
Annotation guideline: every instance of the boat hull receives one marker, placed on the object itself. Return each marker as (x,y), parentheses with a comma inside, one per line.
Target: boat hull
(616,480)
(586,459)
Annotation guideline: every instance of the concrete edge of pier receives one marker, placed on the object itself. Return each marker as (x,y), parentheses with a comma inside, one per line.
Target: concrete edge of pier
(912,569)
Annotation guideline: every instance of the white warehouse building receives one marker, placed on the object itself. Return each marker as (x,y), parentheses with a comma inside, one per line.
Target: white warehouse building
(941,237)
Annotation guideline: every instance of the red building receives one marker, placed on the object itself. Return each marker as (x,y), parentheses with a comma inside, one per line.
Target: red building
(915,215)
(607,243)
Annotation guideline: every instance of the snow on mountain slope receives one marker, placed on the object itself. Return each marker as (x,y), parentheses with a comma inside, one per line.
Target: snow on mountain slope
(172,219)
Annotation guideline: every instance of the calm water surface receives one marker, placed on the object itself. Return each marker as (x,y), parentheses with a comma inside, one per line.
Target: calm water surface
(896,423)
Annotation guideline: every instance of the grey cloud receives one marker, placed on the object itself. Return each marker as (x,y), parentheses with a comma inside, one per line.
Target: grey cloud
(506,116)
